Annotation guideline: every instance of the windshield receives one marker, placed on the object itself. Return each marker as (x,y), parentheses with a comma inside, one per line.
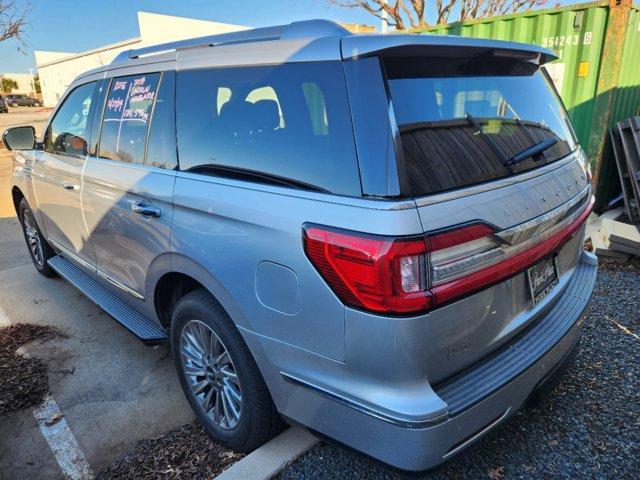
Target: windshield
(479,125)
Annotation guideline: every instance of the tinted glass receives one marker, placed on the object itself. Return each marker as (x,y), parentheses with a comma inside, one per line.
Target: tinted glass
(287,125)
(462,129)
(67,132)
(161,149)
(126,117)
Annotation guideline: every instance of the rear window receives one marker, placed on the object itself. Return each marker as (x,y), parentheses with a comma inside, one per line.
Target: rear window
(286,125)
(463,123)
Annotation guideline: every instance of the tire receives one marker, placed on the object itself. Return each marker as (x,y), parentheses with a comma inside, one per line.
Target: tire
(35,240)
(14,104)
(196,316)
(36,104)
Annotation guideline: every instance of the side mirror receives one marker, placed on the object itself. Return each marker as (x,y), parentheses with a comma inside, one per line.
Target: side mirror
(20,138)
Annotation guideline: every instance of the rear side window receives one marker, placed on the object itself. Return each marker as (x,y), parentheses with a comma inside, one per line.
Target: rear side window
(161,145)
(127,115)
(287,125)
(67,132)
(463,123)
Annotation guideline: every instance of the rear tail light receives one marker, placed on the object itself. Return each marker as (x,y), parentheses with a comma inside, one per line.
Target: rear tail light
(411,275)
(373,273)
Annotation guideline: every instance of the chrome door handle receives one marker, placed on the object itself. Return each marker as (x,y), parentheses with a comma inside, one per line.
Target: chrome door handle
(145,209)
(69,186)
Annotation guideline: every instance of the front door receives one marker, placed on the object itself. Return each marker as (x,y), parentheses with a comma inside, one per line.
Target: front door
(57,174)
(128,185)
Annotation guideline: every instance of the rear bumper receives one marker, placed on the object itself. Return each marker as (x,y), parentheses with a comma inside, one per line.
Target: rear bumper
(477,399)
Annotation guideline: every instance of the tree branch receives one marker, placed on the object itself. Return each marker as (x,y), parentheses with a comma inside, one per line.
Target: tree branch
(400,13)
(13,19)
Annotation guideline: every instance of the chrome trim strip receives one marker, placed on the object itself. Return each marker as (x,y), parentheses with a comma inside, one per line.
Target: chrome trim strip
(366,410)
(535,226)
(72,255)
(500,183)
(97,271)
(523,240)
(122,287)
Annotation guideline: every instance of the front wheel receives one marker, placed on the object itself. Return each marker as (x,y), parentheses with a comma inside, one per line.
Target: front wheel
(219,376)
(39,249)
(14,104)
(36,104)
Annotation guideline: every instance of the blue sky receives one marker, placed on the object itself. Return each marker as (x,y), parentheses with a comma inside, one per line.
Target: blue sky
(74,26)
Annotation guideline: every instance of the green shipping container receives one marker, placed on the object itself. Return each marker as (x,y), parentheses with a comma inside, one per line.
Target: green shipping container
(597,73)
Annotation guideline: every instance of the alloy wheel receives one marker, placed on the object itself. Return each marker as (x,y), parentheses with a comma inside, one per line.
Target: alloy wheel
(33,237)
(211,374)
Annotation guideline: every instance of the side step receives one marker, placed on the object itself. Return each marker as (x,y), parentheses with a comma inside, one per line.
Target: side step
(140,326)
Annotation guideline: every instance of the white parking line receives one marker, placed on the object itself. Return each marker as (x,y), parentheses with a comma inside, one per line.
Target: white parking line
(72,461)
(58,435)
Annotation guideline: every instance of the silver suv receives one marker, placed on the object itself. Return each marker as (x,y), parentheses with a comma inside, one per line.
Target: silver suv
(377,237)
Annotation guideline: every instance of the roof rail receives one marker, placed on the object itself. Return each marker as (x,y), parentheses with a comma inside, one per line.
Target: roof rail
(302,29)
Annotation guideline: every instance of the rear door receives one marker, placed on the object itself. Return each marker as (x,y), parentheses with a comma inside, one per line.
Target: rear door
(128,184)
(57,173)
(490,157)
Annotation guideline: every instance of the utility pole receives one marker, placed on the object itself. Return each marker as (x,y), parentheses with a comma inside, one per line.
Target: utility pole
(384,27)
(33,83)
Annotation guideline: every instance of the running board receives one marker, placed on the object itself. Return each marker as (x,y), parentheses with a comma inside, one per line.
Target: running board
(143,328)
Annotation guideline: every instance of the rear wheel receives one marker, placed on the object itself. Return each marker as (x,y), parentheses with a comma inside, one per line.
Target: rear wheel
(36,104)
(14,104)
(39,249)
(219,376)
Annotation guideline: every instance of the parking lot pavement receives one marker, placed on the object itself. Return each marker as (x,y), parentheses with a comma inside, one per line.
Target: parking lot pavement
(24,116)
(111,389)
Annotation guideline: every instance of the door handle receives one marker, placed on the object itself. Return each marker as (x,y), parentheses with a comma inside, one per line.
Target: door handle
(145,209)
(68,186)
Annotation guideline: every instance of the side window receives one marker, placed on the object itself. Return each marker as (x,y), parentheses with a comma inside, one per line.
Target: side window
(223,96)
(286,125)
(269,94)
(317,108)
(161,148)
(127,115)
(67,132)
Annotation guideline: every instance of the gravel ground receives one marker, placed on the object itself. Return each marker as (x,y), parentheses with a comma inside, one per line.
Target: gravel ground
(589,427)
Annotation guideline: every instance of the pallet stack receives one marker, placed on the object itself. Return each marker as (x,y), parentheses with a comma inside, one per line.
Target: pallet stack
(625,139)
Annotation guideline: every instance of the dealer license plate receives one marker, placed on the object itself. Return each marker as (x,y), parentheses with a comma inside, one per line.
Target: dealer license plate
(543,278)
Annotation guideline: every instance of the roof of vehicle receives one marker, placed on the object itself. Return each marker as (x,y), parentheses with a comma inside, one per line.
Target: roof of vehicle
(314,40)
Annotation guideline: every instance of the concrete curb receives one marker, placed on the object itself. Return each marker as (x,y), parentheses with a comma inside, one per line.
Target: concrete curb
(268,460)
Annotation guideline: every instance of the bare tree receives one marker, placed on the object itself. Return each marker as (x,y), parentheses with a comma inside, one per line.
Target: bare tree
(13,19)
(403,14)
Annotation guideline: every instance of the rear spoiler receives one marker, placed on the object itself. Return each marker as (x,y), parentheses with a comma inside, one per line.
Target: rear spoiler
(363,46)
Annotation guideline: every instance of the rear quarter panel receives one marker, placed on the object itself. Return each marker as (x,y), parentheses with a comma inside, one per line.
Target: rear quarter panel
(249,239)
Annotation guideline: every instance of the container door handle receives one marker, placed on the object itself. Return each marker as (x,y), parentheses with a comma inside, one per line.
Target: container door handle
(145,209)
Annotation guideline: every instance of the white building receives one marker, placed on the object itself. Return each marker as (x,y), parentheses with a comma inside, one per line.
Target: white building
(24,81)
(58,69)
